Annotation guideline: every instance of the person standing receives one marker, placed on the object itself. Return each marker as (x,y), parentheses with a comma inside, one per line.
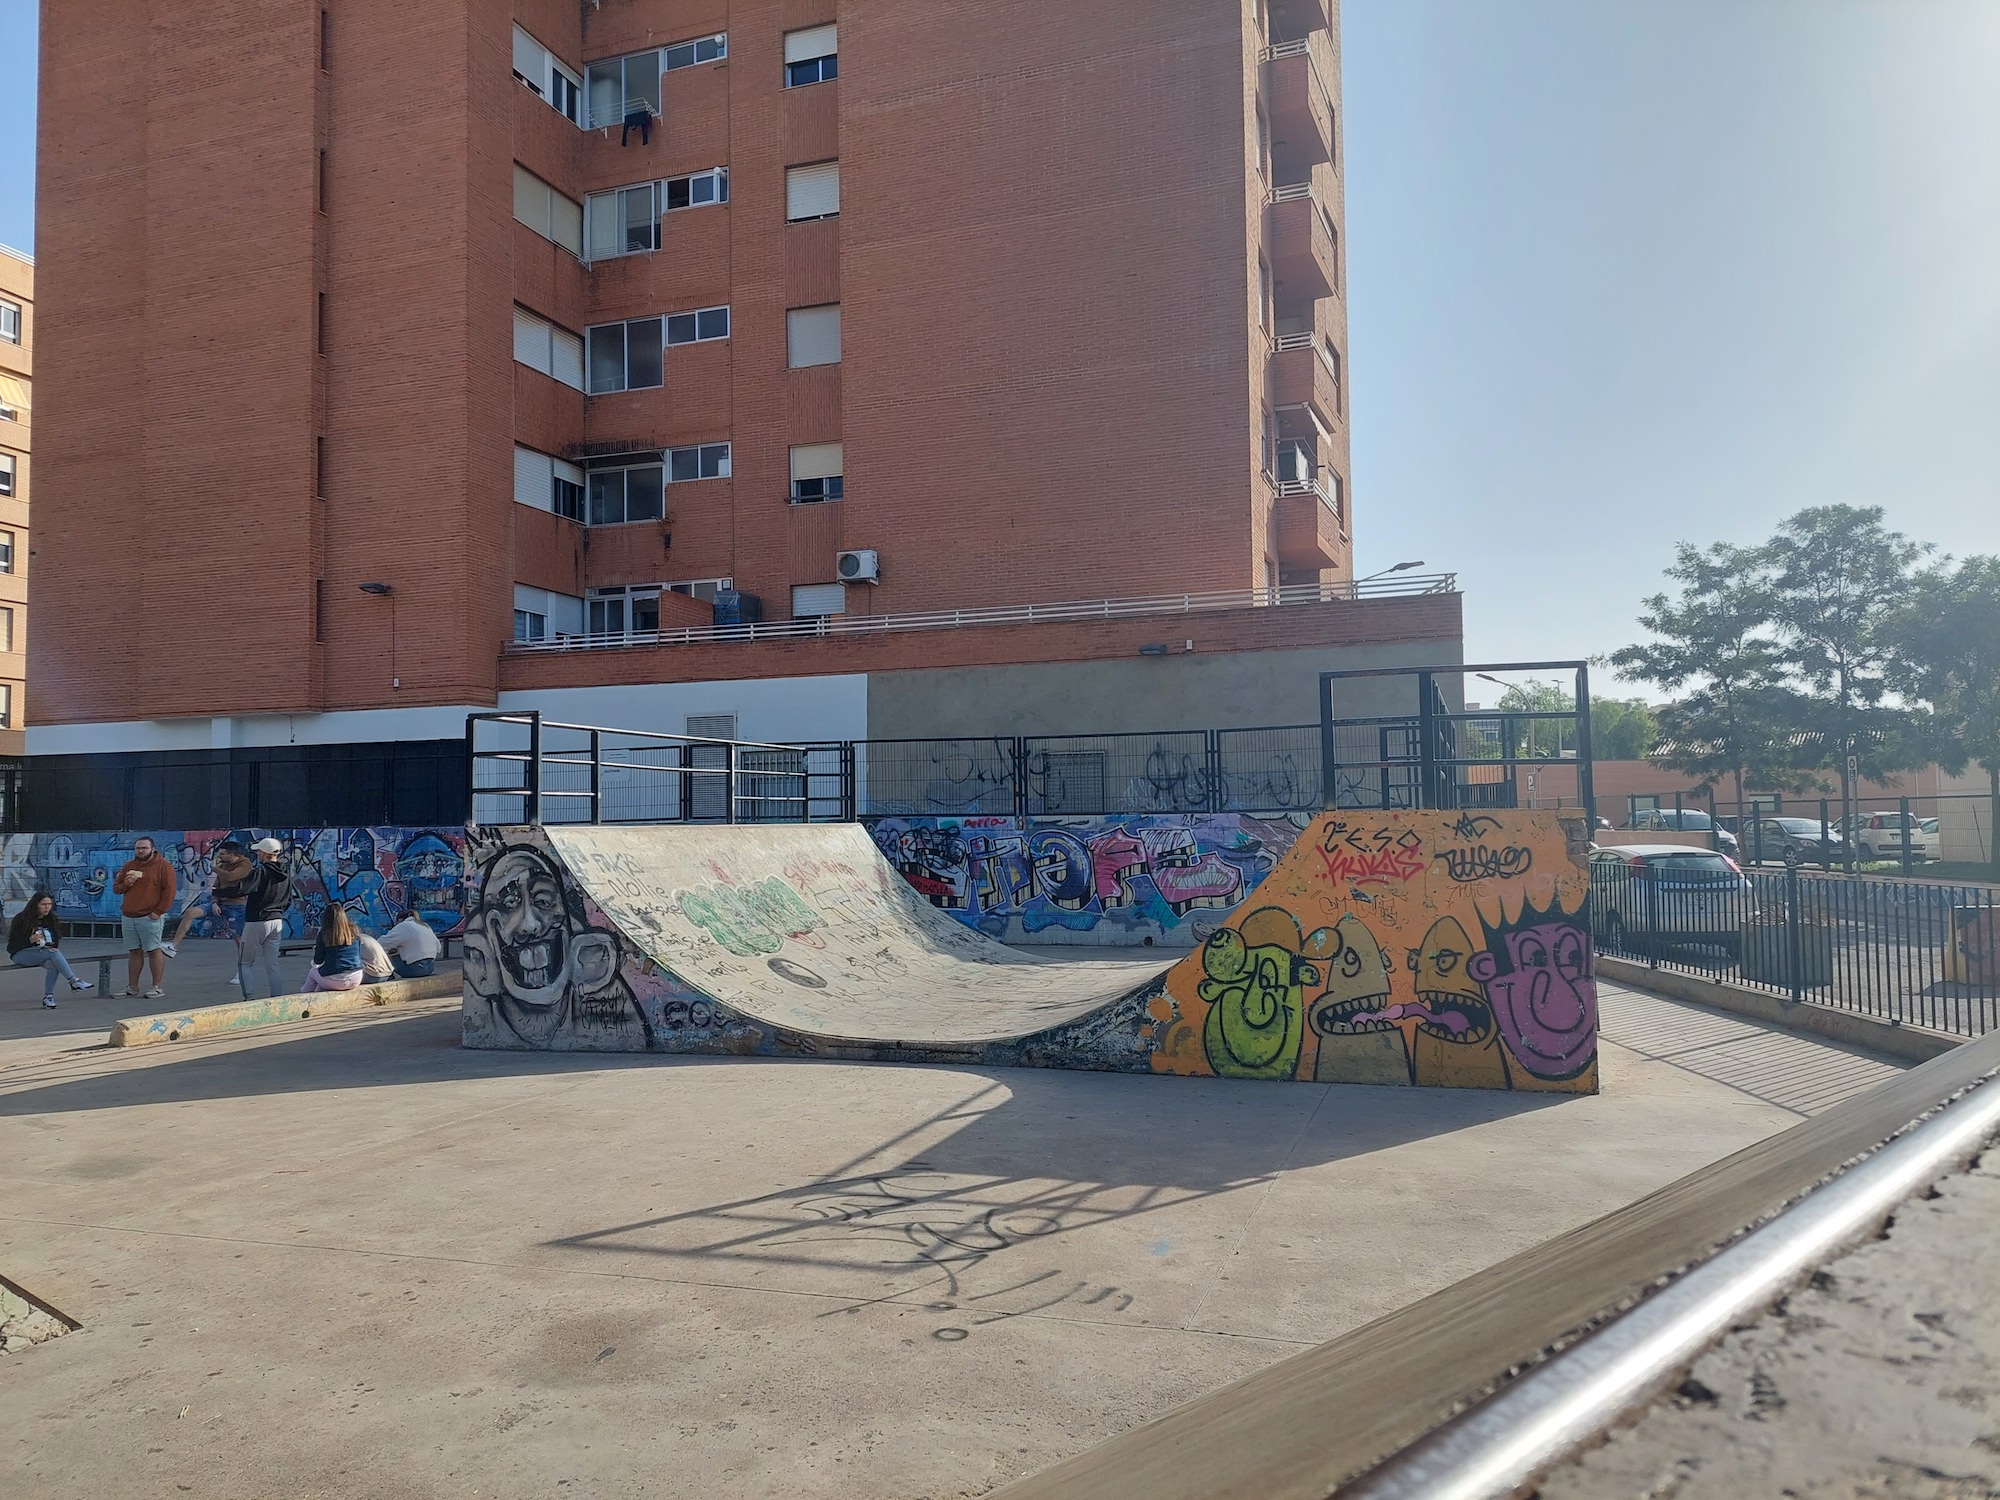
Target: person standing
(145,885)
(412,947)
(34,942)
(266,892)
(336,961)
(225,903)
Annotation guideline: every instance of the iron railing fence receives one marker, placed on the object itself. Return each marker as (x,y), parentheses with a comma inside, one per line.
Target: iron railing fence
(1905,833)
(528,769)
(1270,771)
(1913,952)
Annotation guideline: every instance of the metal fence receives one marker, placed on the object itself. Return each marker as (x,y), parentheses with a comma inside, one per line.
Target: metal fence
(1916,952)
(1269,770)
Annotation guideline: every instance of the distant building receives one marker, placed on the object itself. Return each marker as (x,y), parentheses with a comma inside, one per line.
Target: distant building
(17,369)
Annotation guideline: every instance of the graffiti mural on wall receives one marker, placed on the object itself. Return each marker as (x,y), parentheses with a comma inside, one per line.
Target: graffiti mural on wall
(372,872)
(1118,881)
(1401,948)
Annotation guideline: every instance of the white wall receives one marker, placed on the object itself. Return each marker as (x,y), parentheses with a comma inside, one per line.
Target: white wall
(775,710)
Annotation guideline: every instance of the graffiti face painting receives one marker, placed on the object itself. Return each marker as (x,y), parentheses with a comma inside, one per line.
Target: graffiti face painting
(1399,990)
(532,958)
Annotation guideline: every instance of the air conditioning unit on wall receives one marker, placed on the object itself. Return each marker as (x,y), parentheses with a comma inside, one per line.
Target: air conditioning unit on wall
(860,566)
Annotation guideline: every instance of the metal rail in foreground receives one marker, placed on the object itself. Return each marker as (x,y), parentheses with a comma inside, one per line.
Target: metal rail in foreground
(1547,1414)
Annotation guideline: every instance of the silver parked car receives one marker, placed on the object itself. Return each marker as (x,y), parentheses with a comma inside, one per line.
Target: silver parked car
(1650,896)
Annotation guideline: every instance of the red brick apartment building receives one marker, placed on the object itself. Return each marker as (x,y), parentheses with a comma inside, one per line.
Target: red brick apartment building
(409,359)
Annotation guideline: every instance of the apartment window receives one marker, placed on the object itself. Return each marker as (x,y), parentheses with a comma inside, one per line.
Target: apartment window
(818,600)
(6,473)
(811,56)
(816,473)
(553,216)
(10,321)
(319,467)
(619,611)
(706,461)
(6,551)
(696,189)
(6,629)
(623,86)
(1336,489)
(812,336)
(537,67)
(540,614)
(1263,308)
(1332,357)
(554,351)
(705,589)
(627,356)
(6,705)
(812,192)
(325,41)
(322,181)
(13,397)
(625,221)
(1263,145)
(548,483)
(630,488)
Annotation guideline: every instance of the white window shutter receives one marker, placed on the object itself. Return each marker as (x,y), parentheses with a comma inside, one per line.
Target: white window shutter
(531,59)
(812,600)
(531,341)
(815,41)
(566,223)
(531,200)
(812,192)
(533,600)
(816,461)
(607,231)
(567,361)
(812,335)
(531,479)
(565,614)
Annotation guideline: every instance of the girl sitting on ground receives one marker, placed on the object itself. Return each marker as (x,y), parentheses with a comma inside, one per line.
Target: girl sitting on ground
(336,961)
(33,940)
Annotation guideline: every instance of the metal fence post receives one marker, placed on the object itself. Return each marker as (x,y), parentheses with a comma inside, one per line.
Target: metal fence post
(1825,849)
(534,783)
(729,781)
(1652,917)
(1217,801)
(1904,802)
(596,777)
(850,796)
(1794,934)
(1021,776)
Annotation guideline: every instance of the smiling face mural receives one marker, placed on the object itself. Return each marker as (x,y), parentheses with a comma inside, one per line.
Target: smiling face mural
(1393,983)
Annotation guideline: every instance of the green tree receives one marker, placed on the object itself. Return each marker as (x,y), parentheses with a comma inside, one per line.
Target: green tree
(1540,736)
(1714,648)
(1622,729)
(1946,639)
(1837,579)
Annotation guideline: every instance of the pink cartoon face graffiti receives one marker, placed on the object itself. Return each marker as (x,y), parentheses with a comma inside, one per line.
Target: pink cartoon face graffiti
(1537,979)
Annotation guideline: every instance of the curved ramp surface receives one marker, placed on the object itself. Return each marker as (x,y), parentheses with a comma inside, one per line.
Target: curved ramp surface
(762,938)
(1387,947)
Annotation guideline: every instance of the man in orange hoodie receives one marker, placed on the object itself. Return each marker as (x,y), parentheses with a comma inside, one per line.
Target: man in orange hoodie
(145,886)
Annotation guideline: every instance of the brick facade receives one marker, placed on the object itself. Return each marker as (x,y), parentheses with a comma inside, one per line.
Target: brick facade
(267,386)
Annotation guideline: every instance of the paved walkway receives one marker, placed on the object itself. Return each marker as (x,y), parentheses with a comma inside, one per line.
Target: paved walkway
(351,1258)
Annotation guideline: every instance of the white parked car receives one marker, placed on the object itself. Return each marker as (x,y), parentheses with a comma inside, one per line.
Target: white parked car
(1650,896)
(1879,835)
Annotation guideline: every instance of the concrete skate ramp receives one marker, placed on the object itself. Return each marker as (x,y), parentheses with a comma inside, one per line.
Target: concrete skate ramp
(1388,947)
(755,939)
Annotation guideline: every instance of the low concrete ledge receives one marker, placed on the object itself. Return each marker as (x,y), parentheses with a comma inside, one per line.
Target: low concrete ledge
(247,1015)
(1891,1038)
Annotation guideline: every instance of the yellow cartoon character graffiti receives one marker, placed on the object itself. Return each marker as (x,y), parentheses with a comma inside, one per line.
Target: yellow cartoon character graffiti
(1358,1040)
(1257,975)
(1454,1042)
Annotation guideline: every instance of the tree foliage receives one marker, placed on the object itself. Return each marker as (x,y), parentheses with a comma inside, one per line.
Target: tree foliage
(1945,640)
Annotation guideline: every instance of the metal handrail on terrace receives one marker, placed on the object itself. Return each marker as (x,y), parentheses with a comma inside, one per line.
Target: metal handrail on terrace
(1286,341)
(1286,192)
(1308,487)
(1011,614)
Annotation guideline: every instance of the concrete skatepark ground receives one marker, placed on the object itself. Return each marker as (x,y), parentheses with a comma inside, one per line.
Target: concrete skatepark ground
(299,1272)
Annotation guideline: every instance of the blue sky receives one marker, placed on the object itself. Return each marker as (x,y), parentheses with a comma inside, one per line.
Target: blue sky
(1624,273)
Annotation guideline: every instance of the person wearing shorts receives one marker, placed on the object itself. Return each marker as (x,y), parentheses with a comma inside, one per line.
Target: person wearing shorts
(145,886)
(225,906)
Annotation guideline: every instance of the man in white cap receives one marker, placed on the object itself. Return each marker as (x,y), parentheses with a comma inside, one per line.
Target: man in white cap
(266,892)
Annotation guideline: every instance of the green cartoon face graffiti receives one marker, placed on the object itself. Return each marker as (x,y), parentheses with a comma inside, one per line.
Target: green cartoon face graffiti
(1255,987)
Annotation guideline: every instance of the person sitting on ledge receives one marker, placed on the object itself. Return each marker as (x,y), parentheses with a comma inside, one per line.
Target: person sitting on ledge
(412,946)
(336,961)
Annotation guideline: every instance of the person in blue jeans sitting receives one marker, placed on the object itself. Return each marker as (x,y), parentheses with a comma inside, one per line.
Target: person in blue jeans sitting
(412,946)
(33,942)
(336,961)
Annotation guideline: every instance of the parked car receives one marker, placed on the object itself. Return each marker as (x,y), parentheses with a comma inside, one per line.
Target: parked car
(1790,838)
(1649,896)
(1685,820)
(1879,835)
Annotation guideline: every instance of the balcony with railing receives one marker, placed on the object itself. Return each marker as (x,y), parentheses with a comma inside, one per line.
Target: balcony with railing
(1306,514)
(1304,385)
(1304,257)
(1301,110)
(1347,591)
(1295,20)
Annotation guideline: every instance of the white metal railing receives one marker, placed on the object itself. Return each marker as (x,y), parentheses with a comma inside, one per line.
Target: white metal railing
(1286,49)
(1014,614)
(1286,341)
(1290,191)
(630,108)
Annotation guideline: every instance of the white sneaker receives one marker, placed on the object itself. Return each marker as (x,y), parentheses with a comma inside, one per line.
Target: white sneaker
(79,984)
(170,950)
(156,993)
(237,980)
(128,994)
(48,1002)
